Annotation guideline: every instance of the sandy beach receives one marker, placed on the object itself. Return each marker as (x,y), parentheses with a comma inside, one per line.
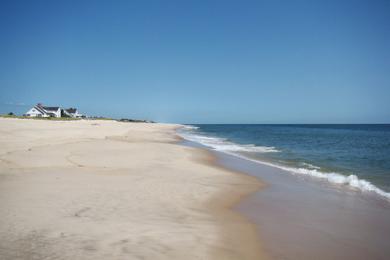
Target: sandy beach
(110,190)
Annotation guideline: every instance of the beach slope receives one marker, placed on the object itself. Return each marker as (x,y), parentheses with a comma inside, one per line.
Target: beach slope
(110,190)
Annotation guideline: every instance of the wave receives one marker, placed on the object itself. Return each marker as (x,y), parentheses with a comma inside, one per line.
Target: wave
(190,127)
(351,181)
(310,166)
(223,145)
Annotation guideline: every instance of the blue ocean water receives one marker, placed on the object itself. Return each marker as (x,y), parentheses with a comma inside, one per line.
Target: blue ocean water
(352,155)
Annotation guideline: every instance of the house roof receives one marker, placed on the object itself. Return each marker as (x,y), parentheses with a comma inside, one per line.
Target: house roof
(51,108)
(39,108)
(71,110)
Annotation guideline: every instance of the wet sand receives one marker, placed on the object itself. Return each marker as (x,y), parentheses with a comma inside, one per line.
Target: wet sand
(304,218)
(109,190)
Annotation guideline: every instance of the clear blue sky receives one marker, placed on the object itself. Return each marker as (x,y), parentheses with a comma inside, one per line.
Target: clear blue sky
(200,61)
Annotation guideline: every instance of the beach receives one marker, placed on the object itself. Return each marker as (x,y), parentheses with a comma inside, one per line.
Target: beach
(101,189)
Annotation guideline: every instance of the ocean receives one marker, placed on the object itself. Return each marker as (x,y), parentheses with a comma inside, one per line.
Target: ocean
(350,156)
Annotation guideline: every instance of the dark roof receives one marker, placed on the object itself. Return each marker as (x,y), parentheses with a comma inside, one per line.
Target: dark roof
(51,108)
(71,110)
(39,108)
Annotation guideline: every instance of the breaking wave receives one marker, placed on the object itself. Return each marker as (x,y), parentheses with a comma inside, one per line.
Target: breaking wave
(351,181)
(221,144)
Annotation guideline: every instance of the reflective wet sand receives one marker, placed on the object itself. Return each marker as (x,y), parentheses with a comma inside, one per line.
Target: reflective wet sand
(302,218)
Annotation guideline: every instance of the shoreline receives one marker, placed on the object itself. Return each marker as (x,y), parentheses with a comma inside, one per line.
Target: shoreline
(76,188)
(224,204)
(311,219)
(330,223)
(252,153)
(226,201)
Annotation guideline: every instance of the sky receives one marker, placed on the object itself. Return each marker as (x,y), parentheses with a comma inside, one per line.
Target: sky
(199,61)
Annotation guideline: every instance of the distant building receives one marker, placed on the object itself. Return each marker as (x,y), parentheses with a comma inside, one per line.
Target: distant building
(71,112)
(41,111)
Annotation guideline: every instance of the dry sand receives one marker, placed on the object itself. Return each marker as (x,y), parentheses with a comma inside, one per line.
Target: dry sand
(110,190)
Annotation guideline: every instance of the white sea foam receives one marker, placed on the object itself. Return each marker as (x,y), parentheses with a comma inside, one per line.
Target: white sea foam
(190,127)
(350,181)
(223,145)
(310,166)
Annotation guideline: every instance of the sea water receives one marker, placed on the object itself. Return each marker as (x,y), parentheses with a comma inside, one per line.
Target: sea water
(350,156)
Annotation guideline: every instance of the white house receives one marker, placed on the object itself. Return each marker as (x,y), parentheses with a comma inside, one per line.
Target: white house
(41,111)
(72,112)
